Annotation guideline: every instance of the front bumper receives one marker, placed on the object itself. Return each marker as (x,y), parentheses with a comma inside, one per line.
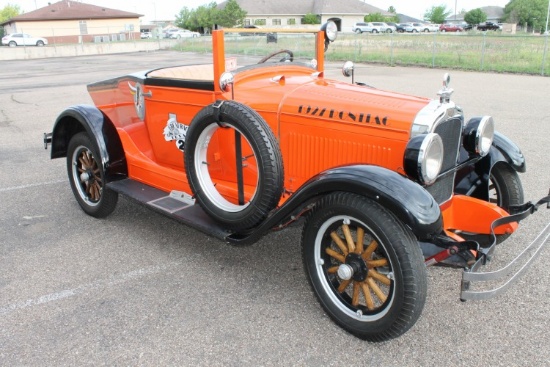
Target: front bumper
(473,276)
(509,273)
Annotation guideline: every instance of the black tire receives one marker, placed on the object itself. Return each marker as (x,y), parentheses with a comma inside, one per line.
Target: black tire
(12,44)
(358,31)
(396,281)
(40,43)
(87,178)
(415,31)
(266,153)
(374,31)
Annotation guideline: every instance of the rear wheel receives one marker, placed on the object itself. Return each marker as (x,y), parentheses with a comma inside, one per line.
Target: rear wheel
(364,266)
(374,31)
(87,178)
(40,43)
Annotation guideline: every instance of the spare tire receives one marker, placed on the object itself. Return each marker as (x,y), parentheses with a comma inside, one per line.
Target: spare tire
(233,164)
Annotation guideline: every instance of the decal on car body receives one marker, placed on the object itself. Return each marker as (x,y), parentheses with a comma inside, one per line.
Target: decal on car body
(342,115)
(175,131)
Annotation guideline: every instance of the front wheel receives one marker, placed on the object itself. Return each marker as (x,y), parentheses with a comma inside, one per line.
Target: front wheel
(87,178)
(12,44)
(364,266)
(358,31)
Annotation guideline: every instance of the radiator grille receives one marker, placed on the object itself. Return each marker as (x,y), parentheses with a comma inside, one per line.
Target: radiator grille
(451,132)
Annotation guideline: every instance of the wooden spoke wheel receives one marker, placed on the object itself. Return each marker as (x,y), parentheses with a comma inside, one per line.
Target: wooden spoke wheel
(87,178)
(364,266)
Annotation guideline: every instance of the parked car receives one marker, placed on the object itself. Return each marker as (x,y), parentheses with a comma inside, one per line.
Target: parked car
(428,27)
(415,27)
(386,183)
(184,33)
(467,27)
(400,28)
(23,39)
(450,28)
(488,26)
(372,27)
(145,35)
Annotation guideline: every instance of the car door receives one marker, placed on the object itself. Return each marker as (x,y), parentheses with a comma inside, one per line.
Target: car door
(27,40)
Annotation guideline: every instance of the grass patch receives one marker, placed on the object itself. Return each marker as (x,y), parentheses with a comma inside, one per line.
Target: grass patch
(492,52)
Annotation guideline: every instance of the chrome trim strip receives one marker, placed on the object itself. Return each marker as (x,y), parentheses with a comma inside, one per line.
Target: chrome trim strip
(469,276)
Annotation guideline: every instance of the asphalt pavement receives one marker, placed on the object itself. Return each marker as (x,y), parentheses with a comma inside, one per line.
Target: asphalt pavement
(137,288)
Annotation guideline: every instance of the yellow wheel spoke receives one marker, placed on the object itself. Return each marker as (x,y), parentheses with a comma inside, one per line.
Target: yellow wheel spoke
(359,245)
(370,249)
(355,298)
(380,277)
(333,270)
(339,242)
(343,286)
(349,239)
(335,255)
(376,263)
(368,296)
(381,296)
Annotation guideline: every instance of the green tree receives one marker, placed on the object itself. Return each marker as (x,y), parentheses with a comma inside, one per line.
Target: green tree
(437,14)
(231,15)
(6,13)
(374,17)
(528,13)
(392,10)
(475,16)
(311,19)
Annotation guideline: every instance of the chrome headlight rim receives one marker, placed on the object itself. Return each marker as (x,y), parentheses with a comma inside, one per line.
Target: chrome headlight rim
(478,135)
(424,158)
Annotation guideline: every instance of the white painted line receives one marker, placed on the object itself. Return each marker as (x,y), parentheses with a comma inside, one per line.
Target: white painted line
(31,185)
(102,283)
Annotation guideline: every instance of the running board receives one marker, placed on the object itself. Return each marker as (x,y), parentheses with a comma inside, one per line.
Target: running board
(177,205)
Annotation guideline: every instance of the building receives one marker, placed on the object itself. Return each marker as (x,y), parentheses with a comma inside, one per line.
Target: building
(289,13)
(71,22)
(494,14)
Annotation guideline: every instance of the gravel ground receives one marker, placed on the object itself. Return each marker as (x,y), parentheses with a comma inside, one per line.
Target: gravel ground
(137,288)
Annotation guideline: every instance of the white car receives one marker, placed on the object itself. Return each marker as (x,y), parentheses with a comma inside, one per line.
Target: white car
(372,27)
(23,39)
(184,33)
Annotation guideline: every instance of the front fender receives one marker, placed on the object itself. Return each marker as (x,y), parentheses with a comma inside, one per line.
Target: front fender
(91,120)
(408,201)
(474,180)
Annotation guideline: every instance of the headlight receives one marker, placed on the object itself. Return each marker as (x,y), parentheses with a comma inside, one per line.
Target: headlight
(478,135)
(424,157)
(331,30)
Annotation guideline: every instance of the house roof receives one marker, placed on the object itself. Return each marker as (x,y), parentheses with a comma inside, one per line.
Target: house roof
(302,7)
(493,12)
(69,10)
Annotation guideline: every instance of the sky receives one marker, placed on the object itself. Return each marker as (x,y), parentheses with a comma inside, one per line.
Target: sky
(167,9)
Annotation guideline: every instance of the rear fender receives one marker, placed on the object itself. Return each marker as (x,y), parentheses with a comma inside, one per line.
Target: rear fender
(408,201)
(89,119)
(474,180)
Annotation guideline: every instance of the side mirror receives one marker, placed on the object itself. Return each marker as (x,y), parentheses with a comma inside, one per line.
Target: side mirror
(348,70)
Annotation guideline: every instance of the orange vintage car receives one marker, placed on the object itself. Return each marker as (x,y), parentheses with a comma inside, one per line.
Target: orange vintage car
(386,183)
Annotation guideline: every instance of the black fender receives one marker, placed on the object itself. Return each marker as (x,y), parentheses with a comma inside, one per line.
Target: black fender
(101,130)
(407,200)
(473,180)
